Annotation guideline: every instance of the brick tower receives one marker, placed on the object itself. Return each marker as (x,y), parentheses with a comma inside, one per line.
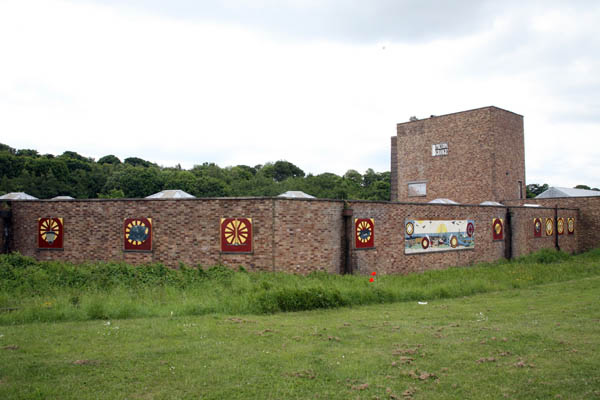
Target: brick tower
(469,157)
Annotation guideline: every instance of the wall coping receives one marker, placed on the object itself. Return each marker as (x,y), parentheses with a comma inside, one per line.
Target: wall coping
(204,199)
(460,112)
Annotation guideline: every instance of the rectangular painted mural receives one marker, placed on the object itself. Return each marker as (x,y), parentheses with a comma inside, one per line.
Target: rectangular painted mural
(427,236)
(236,235)
(137,234)
(364,237)
(50,233)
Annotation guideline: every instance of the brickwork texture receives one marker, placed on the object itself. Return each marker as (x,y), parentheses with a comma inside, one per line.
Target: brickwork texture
(485,160)
(290,235)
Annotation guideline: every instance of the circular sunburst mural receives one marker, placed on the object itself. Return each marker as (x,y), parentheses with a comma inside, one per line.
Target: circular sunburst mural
(560,226)
(236,232)
(137,232)
(410,228)
(453,242)
(571,225)
(364,231)
(49,230)
(498,227)
(470,229)
(549,226)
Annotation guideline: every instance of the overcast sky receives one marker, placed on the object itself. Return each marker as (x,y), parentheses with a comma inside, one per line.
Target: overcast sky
(319,83)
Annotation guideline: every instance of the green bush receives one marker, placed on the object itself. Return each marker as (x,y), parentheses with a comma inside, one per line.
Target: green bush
(293,299)
(96,310)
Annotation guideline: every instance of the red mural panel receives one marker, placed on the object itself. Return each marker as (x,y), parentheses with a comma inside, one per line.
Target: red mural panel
(236,235)
(498,228)
(571,225)
(364,237)
(560,226)
(137,234)
(537,227)
(50,233)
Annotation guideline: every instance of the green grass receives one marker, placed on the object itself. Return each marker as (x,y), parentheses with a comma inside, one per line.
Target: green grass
(32,291)
(534,343)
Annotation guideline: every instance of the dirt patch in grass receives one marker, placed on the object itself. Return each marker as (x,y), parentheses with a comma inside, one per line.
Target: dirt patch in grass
(85,362)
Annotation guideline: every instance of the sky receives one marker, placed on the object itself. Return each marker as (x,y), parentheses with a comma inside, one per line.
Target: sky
(321,84)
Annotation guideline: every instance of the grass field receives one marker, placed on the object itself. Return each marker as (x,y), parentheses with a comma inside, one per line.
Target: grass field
(539,342)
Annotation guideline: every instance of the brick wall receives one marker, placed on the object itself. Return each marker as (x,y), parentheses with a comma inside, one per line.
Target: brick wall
(394,169)
(292,235)
(388,255)
(285,232)
(587,224)
(308,235)
(508,155)
(523,240)
(485,158)
(2,225)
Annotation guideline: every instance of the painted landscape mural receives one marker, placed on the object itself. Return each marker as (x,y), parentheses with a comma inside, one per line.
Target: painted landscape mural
(426,236)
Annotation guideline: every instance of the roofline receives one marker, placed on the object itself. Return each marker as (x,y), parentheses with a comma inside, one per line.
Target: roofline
(272,198)
(459,112)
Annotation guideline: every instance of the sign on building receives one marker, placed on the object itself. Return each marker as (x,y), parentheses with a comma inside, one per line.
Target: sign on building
(440,149)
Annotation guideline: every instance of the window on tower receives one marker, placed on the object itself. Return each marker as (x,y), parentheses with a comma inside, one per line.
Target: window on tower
(416,189)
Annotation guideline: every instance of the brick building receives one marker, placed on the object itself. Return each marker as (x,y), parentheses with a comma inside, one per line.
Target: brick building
(469,157)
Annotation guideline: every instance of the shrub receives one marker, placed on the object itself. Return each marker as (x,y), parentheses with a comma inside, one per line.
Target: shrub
(292,299)
(220,273)
(545,256)
(96,310)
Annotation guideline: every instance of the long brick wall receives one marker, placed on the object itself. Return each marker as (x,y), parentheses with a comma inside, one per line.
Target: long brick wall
(588,221)
(285,232)
(523,240)
(292,235)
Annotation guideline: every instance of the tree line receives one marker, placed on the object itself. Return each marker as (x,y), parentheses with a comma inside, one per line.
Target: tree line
(71,174)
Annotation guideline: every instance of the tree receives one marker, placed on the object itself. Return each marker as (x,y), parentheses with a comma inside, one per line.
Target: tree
(27,153)
(76,156)
(283,170)
(534,189)
(135,181)
(109,159)
(180,180)
(138,162)
(112,194)
(207,186)
(6,148)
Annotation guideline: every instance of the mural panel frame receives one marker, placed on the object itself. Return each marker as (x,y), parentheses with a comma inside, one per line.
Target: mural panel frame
(497,229)
(364,233)
(137,234)
(236,235)
(432,236)
(50,233)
